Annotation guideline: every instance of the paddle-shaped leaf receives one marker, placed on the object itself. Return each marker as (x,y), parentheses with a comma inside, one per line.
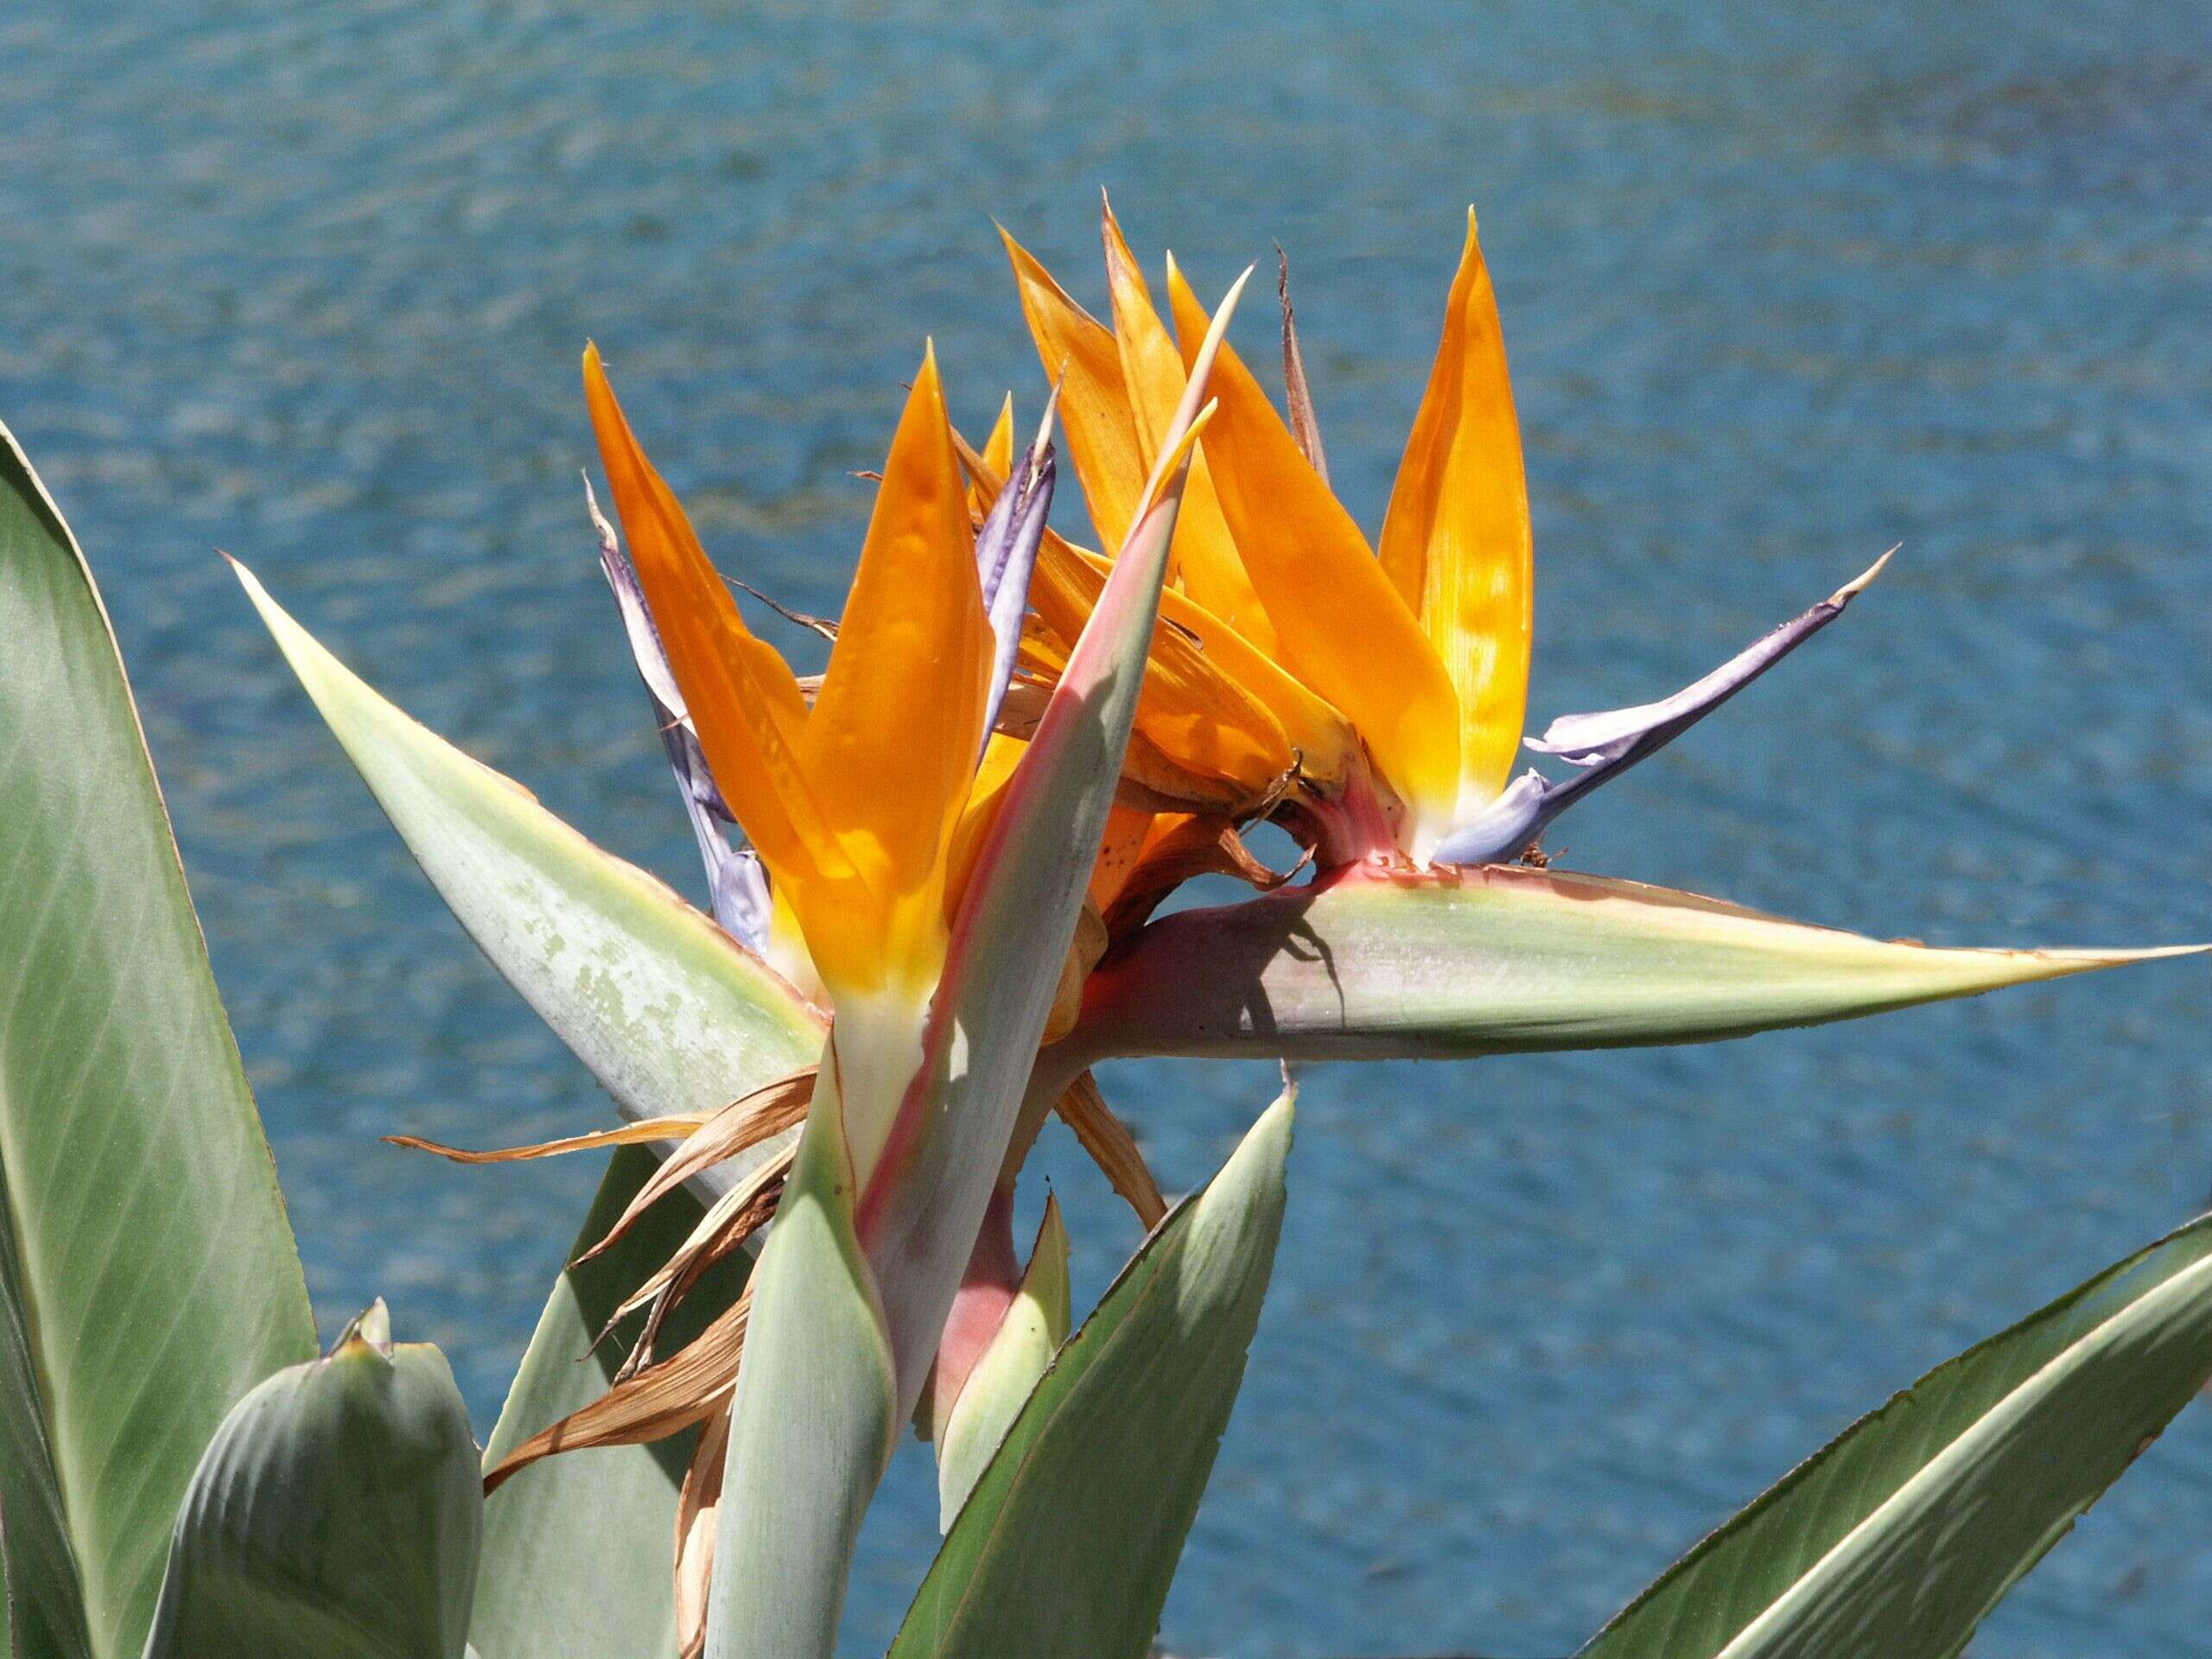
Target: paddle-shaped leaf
(1066,1546)
(669,1012)
(147,1278)
(1500,959)
(336,1515)
(1894,1541)
(577,1547)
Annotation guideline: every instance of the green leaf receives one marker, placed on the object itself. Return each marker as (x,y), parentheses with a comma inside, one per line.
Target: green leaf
(1895,1540)
(669,1012)
(670,1016)
(336,1515)
(813,1421)
(149,1277)
(39,1603)
(577,1547)
(1067,1545)
(1500,959)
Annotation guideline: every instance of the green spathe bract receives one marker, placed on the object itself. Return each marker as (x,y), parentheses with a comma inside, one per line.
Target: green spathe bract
(1066,1546)
(1489,960)
(1502,959)
(812,1421)
(1896,1539)
(147,1273)
(336,1515)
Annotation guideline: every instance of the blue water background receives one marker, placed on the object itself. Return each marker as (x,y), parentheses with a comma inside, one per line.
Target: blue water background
(1783,286)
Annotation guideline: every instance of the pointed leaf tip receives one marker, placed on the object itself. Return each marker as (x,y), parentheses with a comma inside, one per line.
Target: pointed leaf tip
(666,1012)
(372,1326)
(1603,745)
(1904,1532)
(998,1381)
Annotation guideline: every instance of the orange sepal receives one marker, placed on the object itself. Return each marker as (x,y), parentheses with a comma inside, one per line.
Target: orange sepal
(1204,562)
(891,743)
(1456,539)
(1198,717)
(1344,629)
(743,698)
(998,447)
(998,450)
(1110,462)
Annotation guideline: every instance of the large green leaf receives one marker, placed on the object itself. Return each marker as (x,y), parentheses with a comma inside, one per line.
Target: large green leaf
(1896,1539)
(669,1014)
(1066,1547)
(149,1275)
(577,1547)
(1498,959)
(336,1515)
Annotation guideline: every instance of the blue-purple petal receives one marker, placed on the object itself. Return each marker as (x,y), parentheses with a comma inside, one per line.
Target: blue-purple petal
(741,903)
(1605,744)
(1006,556)
(1502,827)
(736,881)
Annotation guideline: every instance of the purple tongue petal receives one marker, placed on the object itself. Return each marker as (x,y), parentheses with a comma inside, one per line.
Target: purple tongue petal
(741,904)
(1005,554)
(739,885)
(1605,745)
(1505,826)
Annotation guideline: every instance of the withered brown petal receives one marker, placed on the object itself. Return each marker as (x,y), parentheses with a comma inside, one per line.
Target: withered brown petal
(646,1129)
(743,1124)
(696,1505)
(658,1401)
(1112,1147)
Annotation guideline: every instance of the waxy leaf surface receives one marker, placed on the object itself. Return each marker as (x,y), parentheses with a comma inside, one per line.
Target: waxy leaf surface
(335,1515)
(1895,1540)
(147,1273)
(1501,959)
(812,1422)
